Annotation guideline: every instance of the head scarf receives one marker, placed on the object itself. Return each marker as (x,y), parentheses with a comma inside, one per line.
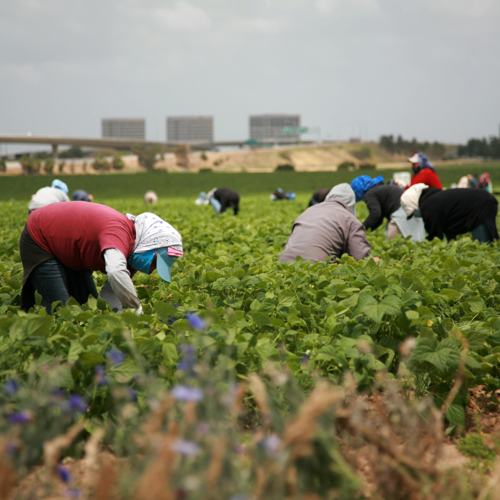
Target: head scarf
(360,185)
(419,162)
(152,232)
(56,183)
(411,197)
(343,192)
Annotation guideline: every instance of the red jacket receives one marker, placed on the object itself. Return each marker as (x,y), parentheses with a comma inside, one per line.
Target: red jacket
(426,176)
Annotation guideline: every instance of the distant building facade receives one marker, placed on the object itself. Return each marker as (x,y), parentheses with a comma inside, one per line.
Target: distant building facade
(124,128)
(190,129)
(269,128)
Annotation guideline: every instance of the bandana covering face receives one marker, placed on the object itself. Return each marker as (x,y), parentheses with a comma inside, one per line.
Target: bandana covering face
(411,197)
(153,233)
(343,192)
(360,185)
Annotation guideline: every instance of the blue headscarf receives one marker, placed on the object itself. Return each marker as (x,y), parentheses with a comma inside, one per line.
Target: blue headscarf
(56,183)
(363,183)
(424,162)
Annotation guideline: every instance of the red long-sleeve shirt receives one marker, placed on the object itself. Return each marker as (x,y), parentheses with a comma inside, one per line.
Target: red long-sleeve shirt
(426,176)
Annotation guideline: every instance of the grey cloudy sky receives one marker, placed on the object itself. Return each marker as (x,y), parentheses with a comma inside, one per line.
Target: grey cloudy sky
(421,68)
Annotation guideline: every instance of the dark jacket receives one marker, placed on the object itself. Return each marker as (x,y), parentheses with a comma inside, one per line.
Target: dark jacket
(382,201)
(457,211)
(227,198)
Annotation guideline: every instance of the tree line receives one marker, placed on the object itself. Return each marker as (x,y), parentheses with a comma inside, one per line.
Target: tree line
(483,148)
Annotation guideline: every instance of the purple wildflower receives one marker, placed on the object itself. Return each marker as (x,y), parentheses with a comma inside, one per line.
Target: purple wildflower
(73,493)
(184,447)
(203,428)
(185,393)
(304,360)
(270,444)
(11,447)
(240,449)
(11,387)
(132,394)
(75,404)
(64,473)
(196,322)
(21,417)
(99,375)
(115,356)
(188,359)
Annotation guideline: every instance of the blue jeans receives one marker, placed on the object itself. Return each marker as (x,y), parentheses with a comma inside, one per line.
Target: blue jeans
(482,234)
(55,282)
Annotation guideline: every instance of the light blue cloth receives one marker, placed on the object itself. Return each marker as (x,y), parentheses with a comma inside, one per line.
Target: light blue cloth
(56,183)
(216,204)
(360,185)
(413,227)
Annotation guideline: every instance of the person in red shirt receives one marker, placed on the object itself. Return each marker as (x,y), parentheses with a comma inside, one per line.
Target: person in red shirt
(423,171)
(62,244)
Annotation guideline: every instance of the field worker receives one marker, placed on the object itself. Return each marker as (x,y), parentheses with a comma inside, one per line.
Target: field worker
(423,171)
(223,198)
(318,196)
(279,194)
(202,199)
(453,212)
(485,183)
(150,198)
(383,202)
(328,230)
(81,195)
(57,193)
(61,245)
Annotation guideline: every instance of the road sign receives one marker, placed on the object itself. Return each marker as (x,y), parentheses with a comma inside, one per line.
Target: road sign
(294,130)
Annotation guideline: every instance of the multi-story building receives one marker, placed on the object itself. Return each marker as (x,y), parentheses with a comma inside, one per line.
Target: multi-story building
(124,128)
(275,128)
(190,129)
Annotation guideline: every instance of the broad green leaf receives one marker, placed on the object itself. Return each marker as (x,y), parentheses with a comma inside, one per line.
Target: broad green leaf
(286,299)
(260,318)
(456,414)
(169,352)
(451,265)
(450,294)
(124,372)
(164,310)
(39,327)
(91,358)
(75,349)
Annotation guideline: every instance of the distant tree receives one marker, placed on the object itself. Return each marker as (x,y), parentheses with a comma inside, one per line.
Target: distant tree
(146,155)
(61,166)
(72,152)
(484,148)
(403,146)
(117,163)
(387,142)
(30,165)
(3,165)
(49,165)
(101,164)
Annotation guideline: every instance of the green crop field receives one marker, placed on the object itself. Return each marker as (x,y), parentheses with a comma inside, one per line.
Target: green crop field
(115,186)
(219,369)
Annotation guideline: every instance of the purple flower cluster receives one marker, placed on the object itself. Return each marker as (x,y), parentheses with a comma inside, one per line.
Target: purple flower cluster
(99,375)
(196,322)
(63,473)
(115,356)
(185,393)
(188,359)
(270,444)
(21,417)
(184,447)
(75,405)
(11,387)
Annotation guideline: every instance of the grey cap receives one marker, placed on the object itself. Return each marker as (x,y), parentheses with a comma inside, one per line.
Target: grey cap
(343,192)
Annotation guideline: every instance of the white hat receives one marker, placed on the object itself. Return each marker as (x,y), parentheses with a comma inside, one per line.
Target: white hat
(414,159)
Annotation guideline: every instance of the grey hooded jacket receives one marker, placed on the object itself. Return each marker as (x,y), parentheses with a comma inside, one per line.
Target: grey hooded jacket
(328,229)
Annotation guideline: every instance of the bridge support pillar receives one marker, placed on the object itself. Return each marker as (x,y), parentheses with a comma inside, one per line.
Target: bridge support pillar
(54,151)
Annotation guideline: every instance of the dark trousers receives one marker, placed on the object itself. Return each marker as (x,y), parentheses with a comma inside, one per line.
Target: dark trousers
(482,234)
(55,282)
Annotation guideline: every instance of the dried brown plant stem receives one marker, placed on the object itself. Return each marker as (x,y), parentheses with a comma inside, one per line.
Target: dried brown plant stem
(52,449)
(91,460)
(7,474)
(259,392)
(215,466)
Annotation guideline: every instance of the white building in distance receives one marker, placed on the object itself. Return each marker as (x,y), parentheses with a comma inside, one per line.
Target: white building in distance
(190,129)
(274,128)
(124,128)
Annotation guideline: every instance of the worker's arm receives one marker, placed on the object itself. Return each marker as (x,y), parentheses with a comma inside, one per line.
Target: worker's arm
(375,218)
(119,291)
(357,245)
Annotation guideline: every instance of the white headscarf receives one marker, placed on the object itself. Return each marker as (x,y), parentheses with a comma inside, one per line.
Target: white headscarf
(411,197)
(344,192)
(153,232)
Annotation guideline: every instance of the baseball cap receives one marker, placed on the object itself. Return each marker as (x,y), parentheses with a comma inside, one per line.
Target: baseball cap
(414,159)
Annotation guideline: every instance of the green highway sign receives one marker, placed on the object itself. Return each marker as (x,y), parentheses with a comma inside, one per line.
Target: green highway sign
(294,130)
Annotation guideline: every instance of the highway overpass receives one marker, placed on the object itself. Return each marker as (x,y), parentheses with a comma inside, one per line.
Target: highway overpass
(123,144)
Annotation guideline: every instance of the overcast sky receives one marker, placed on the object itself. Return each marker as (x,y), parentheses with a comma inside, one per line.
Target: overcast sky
(428,69)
